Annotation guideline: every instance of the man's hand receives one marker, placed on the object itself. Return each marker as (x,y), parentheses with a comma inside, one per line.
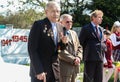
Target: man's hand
(41,76)
(77,61)
(63,38)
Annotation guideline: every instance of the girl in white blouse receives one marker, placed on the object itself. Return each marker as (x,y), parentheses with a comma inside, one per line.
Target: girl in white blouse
(115,39)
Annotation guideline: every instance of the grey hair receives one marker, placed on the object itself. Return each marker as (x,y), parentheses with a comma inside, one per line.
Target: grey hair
(65,16)
(51,4)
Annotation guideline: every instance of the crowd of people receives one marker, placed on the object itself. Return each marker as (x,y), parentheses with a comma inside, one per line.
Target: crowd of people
(56,50)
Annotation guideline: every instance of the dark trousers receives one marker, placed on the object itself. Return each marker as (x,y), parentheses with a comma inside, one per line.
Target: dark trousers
(93,71)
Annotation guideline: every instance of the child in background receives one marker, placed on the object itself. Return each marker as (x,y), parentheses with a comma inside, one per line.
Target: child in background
(115,39)
(108,68)
(108,52)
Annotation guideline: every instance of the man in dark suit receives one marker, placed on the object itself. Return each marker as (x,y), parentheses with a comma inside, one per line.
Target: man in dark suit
(91,37)
(42,46)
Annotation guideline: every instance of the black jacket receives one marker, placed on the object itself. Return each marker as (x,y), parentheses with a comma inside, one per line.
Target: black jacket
(42,49)
(92,45)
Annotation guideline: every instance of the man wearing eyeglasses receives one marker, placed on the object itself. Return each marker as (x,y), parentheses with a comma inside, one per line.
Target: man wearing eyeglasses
(70,51)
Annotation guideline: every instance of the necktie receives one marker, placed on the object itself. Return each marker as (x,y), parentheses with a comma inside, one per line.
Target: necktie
(97,32)
(55,32)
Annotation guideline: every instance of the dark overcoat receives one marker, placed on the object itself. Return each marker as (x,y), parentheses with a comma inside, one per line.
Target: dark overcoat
(42,49)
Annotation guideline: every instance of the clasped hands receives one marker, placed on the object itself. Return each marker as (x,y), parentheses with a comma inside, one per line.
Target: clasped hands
(77,61)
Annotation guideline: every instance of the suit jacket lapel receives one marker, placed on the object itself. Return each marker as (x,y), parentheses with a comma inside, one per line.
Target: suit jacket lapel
(72,36)
(59,30)
(93,32)
(49,29)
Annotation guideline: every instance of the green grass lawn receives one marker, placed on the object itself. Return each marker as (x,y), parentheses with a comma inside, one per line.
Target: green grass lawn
(82,69)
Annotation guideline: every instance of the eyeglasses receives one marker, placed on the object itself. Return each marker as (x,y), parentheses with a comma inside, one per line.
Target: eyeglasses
(69,21)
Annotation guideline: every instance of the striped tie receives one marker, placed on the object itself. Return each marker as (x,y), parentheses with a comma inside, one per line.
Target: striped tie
(97,32)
